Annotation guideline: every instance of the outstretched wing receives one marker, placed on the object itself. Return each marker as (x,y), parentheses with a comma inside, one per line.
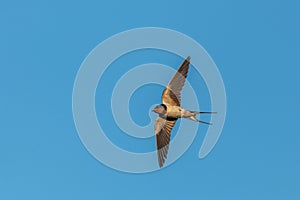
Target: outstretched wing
(171,95)
(163,128)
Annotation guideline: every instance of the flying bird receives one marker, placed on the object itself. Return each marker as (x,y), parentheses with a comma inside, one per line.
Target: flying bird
(170,110)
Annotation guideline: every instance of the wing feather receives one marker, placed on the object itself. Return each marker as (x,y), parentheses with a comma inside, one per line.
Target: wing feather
(163,128)
(172,93)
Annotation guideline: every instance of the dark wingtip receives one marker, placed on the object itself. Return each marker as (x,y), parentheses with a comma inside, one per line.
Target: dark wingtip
(188,58)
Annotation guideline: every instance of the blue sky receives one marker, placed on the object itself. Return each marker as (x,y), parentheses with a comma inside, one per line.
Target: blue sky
(256,46)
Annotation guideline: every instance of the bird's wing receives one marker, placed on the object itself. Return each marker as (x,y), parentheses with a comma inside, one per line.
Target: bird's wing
(163,129)
(171,94)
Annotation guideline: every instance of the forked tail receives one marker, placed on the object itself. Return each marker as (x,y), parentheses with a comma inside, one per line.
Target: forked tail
(193,117)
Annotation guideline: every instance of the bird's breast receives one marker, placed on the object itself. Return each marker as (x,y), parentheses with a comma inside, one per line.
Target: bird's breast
(174,111)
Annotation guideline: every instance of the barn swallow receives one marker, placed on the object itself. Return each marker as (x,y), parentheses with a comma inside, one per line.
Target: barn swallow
(169,111)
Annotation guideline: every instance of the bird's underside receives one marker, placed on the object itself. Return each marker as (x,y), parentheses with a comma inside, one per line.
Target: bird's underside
(170,110)
(170,97)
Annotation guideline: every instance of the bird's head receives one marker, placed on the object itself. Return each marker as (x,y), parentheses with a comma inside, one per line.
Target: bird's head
(160,109)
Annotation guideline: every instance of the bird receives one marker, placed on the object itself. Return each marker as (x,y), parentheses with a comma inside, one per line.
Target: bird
(170,111)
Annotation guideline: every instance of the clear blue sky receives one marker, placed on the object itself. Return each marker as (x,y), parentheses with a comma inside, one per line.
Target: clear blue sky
(256,46)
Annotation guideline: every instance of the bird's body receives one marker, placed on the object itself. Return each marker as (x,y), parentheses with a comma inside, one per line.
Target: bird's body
(178,112)
(170,110)
(174,111)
